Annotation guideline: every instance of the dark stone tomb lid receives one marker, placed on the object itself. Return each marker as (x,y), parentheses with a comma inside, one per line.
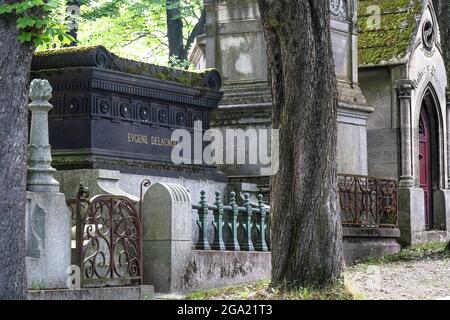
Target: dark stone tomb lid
(100,57)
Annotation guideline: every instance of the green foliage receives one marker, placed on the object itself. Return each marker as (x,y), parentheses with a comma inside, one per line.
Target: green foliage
(39,21)
(180,64)
(136,29)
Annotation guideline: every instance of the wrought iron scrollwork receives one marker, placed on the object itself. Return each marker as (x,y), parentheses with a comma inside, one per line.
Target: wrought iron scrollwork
(108,238)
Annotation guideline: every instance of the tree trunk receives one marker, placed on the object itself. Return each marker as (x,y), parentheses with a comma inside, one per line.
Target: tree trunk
(306,230)
(198,30)
(443,13)
(15,63)
(175,30)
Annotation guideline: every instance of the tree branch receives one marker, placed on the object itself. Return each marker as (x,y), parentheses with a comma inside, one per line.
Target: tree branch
(198,30)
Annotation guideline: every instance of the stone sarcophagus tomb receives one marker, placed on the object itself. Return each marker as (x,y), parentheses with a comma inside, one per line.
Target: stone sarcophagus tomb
(114,113)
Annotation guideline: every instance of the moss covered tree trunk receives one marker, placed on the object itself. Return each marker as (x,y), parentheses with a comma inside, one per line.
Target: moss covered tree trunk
(306,231)
(15,63)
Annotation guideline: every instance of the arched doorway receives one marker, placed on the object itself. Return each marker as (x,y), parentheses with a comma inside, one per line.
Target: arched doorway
(429,157)
(425,161)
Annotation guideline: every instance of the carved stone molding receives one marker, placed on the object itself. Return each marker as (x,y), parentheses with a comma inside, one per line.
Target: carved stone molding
(339,9)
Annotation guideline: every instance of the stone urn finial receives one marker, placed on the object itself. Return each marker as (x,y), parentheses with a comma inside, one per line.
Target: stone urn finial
(40,91)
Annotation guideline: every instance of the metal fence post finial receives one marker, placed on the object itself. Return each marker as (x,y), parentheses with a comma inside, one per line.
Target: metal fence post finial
(40,172)
(218,213)
(247,216)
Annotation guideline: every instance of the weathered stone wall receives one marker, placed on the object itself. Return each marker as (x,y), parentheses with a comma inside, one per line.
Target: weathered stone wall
(383,124)
(211,269)
(235,41)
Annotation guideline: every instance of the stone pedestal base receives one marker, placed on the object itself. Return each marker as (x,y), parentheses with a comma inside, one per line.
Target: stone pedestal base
(48,221)
(441,211)
(411,214)
(363,243)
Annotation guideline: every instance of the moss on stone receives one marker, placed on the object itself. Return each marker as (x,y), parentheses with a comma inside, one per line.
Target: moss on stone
(389,43)
(68,50)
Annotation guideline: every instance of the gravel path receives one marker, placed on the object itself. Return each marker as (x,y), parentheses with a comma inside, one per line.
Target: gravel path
(411,280)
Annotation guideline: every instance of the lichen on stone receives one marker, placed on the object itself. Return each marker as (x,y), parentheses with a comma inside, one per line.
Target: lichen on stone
(389,42)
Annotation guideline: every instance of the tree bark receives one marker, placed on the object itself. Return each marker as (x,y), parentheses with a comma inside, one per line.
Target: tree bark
(198,30)
(306,230)
(442,8)
(15,64)
(177,47)
(175,30)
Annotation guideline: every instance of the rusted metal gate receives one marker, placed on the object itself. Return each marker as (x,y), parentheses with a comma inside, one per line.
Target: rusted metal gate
(107,245)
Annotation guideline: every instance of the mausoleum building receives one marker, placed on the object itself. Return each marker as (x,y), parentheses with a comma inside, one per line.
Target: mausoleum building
(403,77)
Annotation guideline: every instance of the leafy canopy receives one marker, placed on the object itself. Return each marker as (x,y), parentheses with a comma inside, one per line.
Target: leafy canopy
(136,29)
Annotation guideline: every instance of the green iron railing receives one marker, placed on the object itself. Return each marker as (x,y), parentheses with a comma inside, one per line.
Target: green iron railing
(365,202)
(235,228)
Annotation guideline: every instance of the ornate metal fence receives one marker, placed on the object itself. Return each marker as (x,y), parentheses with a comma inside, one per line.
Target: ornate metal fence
(108,238)
(368,202)
(365,202)
(235,228)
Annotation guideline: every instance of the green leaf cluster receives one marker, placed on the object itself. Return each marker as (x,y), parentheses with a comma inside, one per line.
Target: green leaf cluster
(39,21)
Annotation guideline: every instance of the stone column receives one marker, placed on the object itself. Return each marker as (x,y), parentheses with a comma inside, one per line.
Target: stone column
(404,88)
(410,199)
(40,172)
(48,219)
